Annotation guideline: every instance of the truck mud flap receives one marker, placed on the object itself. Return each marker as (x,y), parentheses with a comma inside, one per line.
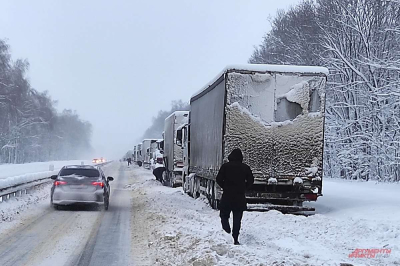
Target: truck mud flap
(281,208)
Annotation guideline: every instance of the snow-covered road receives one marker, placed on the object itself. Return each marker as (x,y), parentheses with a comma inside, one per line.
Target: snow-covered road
(148,224)
(73,236)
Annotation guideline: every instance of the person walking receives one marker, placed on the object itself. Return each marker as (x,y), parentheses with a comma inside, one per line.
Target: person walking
(129,161)
(234,178)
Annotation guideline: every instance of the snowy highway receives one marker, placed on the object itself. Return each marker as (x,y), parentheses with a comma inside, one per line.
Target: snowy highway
(149,224)
(73,236)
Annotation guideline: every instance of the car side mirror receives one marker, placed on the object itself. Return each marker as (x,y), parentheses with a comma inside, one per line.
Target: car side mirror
(54,177)
(110,178)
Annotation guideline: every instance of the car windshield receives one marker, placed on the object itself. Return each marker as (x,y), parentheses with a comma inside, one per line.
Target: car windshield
(70,172)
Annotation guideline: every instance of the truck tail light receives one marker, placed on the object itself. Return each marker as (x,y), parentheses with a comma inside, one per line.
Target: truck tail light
(312,197)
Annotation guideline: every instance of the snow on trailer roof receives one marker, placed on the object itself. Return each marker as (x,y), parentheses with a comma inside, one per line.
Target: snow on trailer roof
(182,113)
(266,68)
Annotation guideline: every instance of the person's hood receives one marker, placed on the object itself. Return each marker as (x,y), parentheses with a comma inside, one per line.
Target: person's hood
(236,156)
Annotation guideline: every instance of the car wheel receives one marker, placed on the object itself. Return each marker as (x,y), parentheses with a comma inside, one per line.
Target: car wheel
(106,203)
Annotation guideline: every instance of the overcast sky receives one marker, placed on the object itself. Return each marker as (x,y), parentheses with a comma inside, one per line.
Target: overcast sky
(118,62)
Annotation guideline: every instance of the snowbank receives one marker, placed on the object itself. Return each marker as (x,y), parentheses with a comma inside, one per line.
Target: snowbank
(14,174)
(185,231)
(16,205)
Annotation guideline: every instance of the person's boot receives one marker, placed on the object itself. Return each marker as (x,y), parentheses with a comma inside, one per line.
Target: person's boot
(226,226)
(236,240)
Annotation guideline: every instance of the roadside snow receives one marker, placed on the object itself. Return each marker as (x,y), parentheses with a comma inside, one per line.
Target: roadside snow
(14,174)
(12,209)
(184,231)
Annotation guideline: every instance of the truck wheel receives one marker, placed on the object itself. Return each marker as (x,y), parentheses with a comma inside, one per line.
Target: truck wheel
(191,188)
(164,180)
(214,200)
(106,204)
(172,179)
(196,190)
(209,191)
(184,184)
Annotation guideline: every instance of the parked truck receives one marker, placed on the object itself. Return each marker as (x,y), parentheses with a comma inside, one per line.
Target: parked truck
(173,153)
(138,156)
(157,157)
(134,154)
(148,147)
(275,115)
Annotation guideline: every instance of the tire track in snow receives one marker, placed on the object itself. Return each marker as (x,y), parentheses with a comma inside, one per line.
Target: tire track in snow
(39,239)
(110,243)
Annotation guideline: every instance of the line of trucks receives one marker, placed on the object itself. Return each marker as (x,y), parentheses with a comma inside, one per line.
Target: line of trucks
(273,113)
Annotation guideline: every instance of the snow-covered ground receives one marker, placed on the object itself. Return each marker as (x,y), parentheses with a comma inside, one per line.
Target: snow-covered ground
(13,174)
(170,228)
(350,216)
(13,211)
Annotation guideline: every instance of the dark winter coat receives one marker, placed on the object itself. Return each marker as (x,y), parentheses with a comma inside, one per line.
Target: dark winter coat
(234,178)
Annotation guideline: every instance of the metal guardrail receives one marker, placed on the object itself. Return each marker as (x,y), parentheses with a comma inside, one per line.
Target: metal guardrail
(24,188)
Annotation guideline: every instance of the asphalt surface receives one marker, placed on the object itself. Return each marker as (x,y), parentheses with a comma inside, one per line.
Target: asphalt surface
(75,235)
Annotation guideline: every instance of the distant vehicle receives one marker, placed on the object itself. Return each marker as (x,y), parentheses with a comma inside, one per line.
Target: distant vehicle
(134,154)
(157,157)
(275,115)
(80,184)
(148,147)
(138,155)
(101,160)
(173,153)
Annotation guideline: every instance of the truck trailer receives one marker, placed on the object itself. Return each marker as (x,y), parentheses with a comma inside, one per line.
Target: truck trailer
(157,157)
(134,154)
(173,153)
(138,156)
(275,115)
(148,147)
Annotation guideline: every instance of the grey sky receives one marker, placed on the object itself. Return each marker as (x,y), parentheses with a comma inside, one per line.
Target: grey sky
(118,62)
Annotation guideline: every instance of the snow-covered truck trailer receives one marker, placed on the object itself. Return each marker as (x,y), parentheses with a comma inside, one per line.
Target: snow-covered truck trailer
(157,157)
(134,154)
(173,154)
(148,146)
(139,154)
(275,115)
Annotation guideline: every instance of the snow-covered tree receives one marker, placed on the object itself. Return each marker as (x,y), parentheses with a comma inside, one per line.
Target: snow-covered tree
(157,126)
(358,40)
(30,127)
